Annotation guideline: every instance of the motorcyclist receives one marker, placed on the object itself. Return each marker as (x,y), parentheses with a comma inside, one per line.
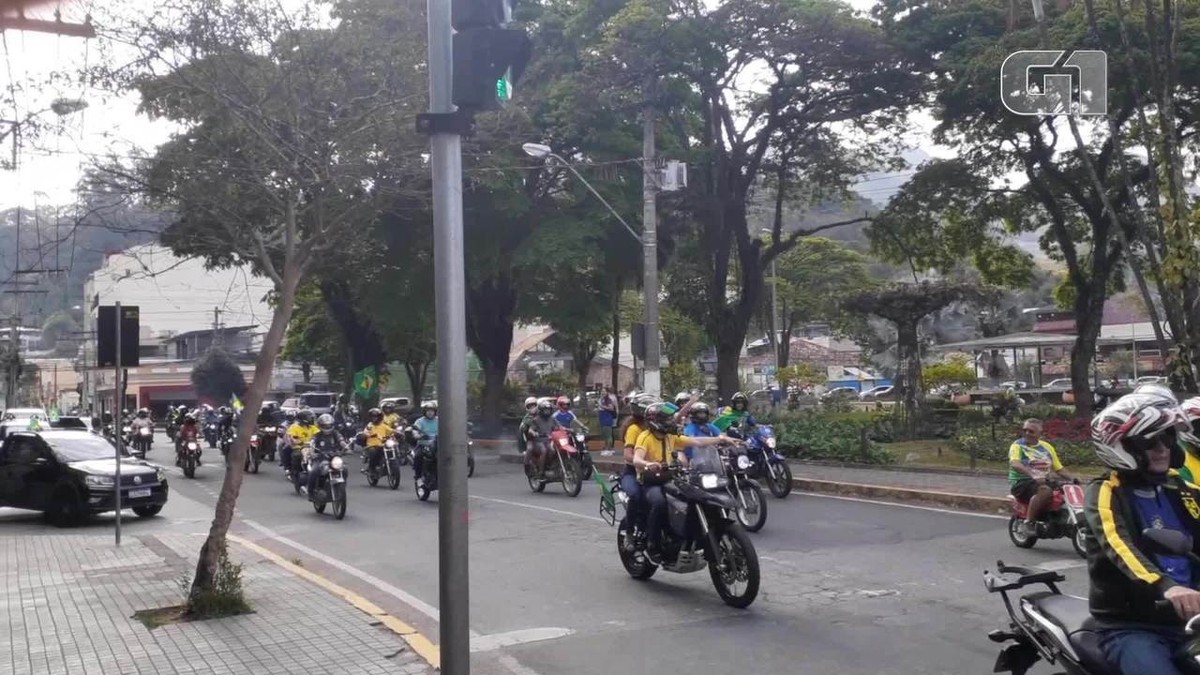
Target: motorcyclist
(324,446)
(377,432)
(390,416)
(530,410)
(343,417)
(1191,441)
(655,449)
(427,425)
(1030,459)
(538,432)
(299,434)
(189,430)
(565,416)
(268,416)
(738,411)
(635,424)
(142,420)
(1136,437)
(700,426)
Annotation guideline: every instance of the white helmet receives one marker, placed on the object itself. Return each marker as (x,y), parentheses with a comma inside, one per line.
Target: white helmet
(1191,411)
(1155,389)
(530,401)
(1121,430)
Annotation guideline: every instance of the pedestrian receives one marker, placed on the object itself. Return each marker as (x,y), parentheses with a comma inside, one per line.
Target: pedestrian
(776,396)
(608,420)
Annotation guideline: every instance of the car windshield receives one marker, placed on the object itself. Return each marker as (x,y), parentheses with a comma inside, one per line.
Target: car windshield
(80,447)
(317,400)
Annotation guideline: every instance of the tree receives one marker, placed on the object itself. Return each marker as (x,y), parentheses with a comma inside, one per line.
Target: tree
(216,378)
(281,123)
(955,373)
(800,375)
(312,338)
(819,66)
(905,305)
(812,280)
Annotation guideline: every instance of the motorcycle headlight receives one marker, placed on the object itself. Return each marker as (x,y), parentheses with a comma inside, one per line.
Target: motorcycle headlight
(144,431)
(580,437)
(709,481)
(336,463)
(744,462)
(254,438)
(269,430)
(99,481)
(390,443)
(771,442)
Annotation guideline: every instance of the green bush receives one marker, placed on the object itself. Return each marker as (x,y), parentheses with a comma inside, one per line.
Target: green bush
(845,437)
(1072,451)
(227,596)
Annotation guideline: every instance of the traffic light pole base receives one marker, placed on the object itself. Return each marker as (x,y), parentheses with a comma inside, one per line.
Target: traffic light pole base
(462,123)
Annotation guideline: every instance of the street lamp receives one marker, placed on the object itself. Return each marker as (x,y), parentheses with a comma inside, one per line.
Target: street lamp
(650,377)
(775,308)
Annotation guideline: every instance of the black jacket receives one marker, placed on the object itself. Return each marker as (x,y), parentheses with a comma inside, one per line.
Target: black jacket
(1125,581)
(327,444)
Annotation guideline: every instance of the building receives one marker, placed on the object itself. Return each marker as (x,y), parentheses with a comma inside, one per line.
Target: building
(28,339)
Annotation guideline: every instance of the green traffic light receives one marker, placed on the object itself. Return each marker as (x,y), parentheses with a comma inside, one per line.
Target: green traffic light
(503,90)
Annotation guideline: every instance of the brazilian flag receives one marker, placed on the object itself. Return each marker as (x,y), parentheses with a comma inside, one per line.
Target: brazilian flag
(366,383)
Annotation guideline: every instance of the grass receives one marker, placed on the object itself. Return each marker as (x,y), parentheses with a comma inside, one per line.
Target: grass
(939,453)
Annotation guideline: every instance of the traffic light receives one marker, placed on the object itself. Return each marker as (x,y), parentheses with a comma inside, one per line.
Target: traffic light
(488,56)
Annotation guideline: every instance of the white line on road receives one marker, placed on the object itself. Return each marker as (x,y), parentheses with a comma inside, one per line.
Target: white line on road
(905,506)
(487,643)
(538,508)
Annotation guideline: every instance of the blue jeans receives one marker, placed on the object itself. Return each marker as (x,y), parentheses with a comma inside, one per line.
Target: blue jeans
(285,457)
(656,501)
(1138,652)
(634,512)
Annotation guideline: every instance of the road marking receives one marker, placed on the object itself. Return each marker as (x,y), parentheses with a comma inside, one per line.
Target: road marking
(539,508)
(1062,564)
(487,643)
(905,506)
(419,643)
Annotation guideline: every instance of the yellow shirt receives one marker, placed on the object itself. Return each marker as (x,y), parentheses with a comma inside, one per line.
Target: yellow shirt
(632,433)
(301,434)
(659,450)
(392,420)
(377,434)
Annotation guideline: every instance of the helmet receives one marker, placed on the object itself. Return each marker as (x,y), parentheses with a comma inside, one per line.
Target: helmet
(125,411)
(224,410)
(1155,389)
(271,405)
(1191,411)
(627,399)
(545,407)
(429,405)
(143,413)
(563,403)
(681,398)
(290,415)
(737,398)
(189,419)
(699,413)
(325,422)
(1120,432)
(375,414)
(388,406)
(530,402)
(639,404)
(305,416)
(660,417)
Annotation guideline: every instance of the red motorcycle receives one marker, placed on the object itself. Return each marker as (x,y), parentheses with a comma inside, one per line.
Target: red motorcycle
(1063,518)
(563,466)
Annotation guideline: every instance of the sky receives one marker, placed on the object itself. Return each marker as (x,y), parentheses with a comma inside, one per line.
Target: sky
(50,166)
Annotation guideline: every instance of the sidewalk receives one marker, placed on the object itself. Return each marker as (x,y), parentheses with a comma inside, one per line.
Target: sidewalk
(69,601)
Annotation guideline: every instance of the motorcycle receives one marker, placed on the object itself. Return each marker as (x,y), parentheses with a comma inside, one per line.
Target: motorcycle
(424,461)
(189,456)
(746,492)
(331,485)
(1060,629)
(563,467)
(212,433)
(254,454)
(387,465)
(1063,518)
(138,441)
(701,530)
(766,463)
(268,441)
(579,440)
(405,449)
(227,443)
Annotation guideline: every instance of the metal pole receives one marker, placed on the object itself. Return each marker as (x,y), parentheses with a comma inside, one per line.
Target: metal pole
(775,318)
(449,268)
(651,383)
(117,423)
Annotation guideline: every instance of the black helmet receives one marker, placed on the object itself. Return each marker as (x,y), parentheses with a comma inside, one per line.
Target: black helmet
(143,413)
(325,422)
(699,413)
(737,398)
(224,410)
(305,416)
(375,414)
(545,407)
(388,406)
(661,417)
(290,415)
(639,403)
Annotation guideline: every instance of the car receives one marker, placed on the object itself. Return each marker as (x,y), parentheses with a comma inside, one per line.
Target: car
(1062,383)
(1014,384)
(26,413)
(1150,379)
(69,474)
(881,393)
(403,404)
(840,394)
(319,402)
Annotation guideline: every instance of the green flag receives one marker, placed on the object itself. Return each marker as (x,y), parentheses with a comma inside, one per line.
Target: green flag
(365,382)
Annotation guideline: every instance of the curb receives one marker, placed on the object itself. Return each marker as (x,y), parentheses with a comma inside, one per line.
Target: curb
(902,469)
(954,500)
(423,646)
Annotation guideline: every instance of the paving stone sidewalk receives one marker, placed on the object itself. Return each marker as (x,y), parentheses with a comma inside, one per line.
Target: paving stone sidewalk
(69,599)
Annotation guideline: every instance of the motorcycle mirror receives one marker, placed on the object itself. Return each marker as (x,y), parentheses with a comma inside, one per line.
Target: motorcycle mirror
(1169,542)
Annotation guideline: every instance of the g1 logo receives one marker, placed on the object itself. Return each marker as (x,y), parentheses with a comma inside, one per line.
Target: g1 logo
(1042,82)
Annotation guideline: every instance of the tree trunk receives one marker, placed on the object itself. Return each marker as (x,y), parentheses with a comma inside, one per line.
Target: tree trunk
(206,567)
(362,340)
(416,370)
(908,369)
(616,341)
(728,380)
(1089,315)
(785,339)
(490,310)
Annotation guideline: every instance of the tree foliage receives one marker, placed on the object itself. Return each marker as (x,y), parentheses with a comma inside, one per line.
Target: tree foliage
(216,378)
(957,373)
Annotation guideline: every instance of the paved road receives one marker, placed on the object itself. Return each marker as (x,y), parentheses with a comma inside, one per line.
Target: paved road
(848,586)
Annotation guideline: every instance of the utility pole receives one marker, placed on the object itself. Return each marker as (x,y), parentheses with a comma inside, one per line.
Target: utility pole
(217,340)
(119,402)
(651,382)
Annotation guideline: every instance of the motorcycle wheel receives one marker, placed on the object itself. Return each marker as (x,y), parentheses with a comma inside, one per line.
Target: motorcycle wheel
(1019,539)
(394,476)
(779,479)
(470,465)
(734,564)
(571,481)
(754,515)
(588,467)
(189,467)
(1078,541)
(635,562)
(422,491)
(339,504)
(372,478)
(534,484)
(319,507)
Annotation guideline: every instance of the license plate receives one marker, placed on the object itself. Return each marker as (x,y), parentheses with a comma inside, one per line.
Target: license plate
(143,492)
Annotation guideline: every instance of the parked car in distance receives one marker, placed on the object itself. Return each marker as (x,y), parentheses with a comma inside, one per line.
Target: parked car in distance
(290,404)
(881,393)
(13,413)
(1061,384)
(1150,379)
(319,402)
(69,474)
(840,394)
(403,404)
(1015,384)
